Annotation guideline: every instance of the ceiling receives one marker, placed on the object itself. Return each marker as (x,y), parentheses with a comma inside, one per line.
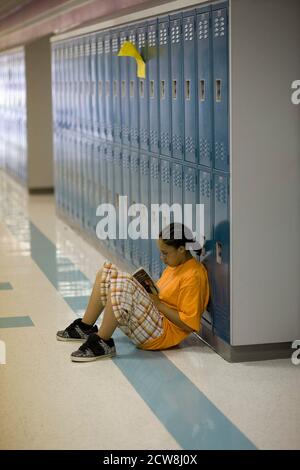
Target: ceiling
(23,21)
(9,7)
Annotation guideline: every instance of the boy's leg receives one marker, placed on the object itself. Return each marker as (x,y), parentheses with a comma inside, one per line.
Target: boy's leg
(109,322)
(95,305)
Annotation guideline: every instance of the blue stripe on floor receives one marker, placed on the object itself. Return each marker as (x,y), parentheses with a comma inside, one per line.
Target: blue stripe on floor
(5,286)
(189,416)
(15,322)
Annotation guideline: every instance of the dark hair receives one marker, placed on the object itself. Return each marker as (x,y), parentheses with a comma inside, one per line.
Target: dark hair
(177,235)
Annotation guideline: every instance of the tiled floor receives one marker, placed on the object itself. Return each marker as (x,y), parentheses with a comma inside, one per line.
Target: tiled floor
(187,397)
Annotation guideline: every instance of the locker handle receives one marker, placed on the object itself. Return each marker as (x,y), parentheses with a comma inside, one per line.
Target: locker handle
(174,89)
(151,88)
(218,91)
(188,89)
(162,89)
(202,90)
(219,252)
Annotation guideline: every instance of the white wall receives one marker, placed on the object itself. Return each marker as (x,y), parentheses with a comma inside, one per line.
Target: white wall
(39,114)
(265,162)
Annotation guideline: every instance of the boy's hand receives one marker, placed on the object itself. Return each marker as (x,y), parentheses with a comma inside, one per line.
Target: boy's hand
(155,299)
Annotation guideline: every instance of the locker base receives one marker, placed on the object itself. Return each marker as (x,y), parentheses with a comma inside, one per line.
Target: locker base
(253,352)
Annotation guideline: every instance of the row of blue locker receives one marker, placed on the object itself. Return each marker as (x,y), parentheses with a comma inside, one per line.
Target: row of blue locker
(89,173)
(179,110)
(13,114)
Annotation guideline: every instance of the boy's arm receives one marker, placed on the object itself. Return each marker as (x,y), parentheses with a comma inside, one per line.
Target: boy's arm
(170,313)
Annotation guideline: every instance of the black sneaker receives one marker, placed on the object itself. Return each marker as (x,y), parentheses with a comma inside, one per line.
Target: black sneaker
(75,332)
(94,348)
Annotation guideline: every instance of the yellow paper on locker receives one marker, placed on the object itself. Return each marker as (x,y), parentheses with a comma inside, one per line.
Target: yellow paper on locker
(129,50)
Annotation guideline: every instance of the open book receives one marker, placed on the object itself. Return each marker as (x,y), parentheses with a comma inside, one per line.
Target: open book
(146,280)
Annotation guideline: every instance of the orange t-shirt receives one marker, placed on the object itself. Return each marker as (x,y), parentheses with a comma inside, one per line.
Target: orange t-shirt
(184,288)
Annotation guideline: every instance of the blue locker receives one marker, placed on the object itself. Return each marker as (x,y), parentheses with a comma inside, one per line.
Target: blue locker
(125,111)
(76,104)
(177,86)
(103,180)
(190,196)
(85,183)
(80,178)
(87,86)
(133,96)
(93,87)
(135,199)
(164,86)
(71,85)
(126,171)
(205,198)
(205,90)
(116,90)
(220,77)
(219,266)
(108,87)
(143,91)
(96,183)
(165,175)
(101,87)
(73,176)
(190,91)
(118,191)
(82,107)
(110,183)
(90,182)
(177,189)
(145,246)
(155,199)
(153,90)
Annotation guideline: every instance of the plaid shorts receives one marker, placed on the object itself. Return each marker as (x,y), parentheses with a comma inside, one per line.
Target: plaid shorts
(134,310)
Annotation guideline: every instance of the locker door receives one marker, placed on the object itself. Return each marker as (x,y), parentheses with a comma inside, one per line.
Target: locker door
(205,189)
(220,78)
(108,87)
(87,87)
(143,91)
(93,88)
(220,263)
(145,244)
(190,94)
(133,96)
(118,191)
(190,196)
(155,199)
(76,124)
(135,199)
(110,183)
(82,85)
(177,188)
(153,89)
(101,87)
(80,178)
(126,170)
(96,182)
(165,186)
(125,112)
(116,90)
(205,91)
(164,87)
(103,181)
(71,85)
(177,86)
